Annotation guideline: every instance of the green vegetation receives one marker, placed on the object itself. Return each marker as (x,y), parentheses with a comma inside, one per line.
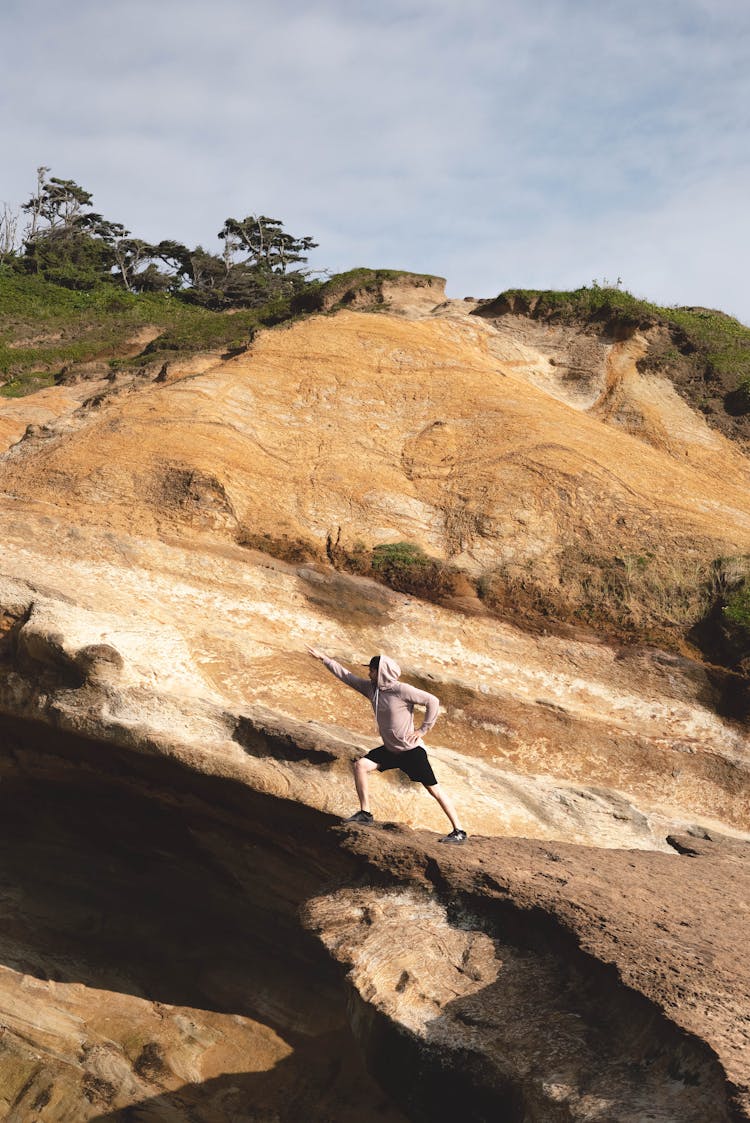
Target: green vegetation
(642,596)
(362,277)
(68,243)
(78,288)
(402,566)
(399,563)
(45,327)
(724,340)
(26,384)
(593,303)
(737,608)
(719,342)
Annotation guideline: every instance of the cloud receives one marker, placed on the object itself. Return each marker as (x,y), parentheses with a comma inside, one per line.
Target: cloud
(491,142)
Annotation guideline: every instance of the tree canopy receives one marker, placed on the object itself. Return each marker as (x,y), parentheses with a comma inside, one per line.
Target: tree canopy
(69,243)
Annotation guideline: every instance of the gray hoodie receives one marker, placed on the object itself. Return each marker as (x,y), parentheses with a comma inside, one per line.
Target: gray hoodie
(393,703)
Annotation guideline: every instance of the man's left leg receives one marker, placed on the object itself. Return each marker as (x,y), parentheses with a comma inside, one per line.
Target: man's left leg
(417,767)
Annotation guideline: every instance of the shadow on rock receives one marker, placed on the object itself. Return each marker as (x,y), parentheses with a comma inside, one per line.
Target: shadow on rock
(147,895)
(182,890)
(320,1082)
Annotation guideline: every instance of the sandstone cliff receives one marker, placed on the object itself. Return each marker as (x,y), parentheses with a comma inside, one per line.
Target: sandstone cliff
(180,916)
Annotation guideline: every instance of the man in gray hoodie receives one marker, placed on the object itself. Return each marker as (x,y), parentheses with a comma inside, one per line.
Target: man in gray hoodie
(393,704)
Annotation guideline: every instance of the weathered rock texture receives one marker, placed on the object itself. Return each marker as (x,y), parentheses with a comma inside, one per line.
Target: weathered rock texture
(596,1009)
(179,917)
(440,430)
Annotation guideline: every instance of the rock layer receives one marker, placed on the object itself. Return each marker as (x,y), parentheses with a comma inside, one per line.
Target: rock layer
(432,430)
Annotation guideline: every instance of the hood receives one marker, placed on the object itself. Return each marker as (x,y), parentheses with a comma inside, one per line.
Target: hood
(388,672)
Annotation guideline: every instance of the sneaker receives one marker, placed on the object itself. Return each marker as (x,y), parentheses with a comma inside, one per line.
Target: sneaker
(454,836)
(360,817)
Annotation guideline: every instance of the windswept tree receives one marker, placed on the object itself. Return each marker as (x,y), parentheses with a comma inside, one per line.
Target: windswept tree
(152,279)
(196,268)
(266,243)
(57,205)
(196,274)
(68,242)
(65,240)
(174,255)
(267,251)
(134,261)
(254,268)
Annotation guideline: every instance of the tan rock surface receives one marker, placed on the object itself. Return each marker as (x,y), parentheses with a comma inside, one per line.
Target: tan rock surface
(390,429)
(40,409)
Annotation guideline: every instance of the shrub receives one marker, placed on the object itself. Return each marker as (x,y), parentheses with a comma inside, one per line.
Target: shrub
(737,608)
(394,557)
(406,568)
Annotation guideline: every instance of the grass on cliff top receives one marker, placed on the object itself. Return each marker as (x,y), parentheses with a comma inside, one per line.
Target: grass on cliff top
(362,277)
(336,292)
(723,341)
(44,328)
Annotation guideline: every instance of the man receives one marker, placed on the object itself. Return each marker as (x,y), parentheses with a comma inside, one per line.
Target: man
(393,703)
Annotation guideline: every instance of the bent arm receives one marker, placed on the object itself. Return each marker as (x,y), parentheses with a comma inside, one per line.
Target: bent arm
(431,705)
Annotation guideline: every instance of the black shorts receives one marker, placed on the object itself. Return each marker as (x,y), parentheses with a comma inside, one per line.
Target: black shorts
(413,762)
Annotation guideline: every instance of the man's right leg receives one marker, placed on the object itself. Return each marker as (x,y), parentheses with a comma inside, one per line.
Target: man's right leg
(362,769)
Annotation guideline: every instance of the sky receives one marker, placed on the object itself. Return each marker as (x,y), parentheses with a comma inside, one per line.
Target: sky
(496,143)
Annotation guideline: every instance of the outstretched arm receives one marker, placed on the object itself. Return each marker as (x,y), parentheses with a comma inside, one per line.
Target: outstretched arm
(361,685)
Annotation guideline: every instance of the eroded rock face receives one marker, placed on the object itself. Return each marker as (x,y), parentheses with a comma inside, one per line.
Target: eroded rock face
(193,834)
(179,915)
(156,957)
(463,444)
(551,987)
